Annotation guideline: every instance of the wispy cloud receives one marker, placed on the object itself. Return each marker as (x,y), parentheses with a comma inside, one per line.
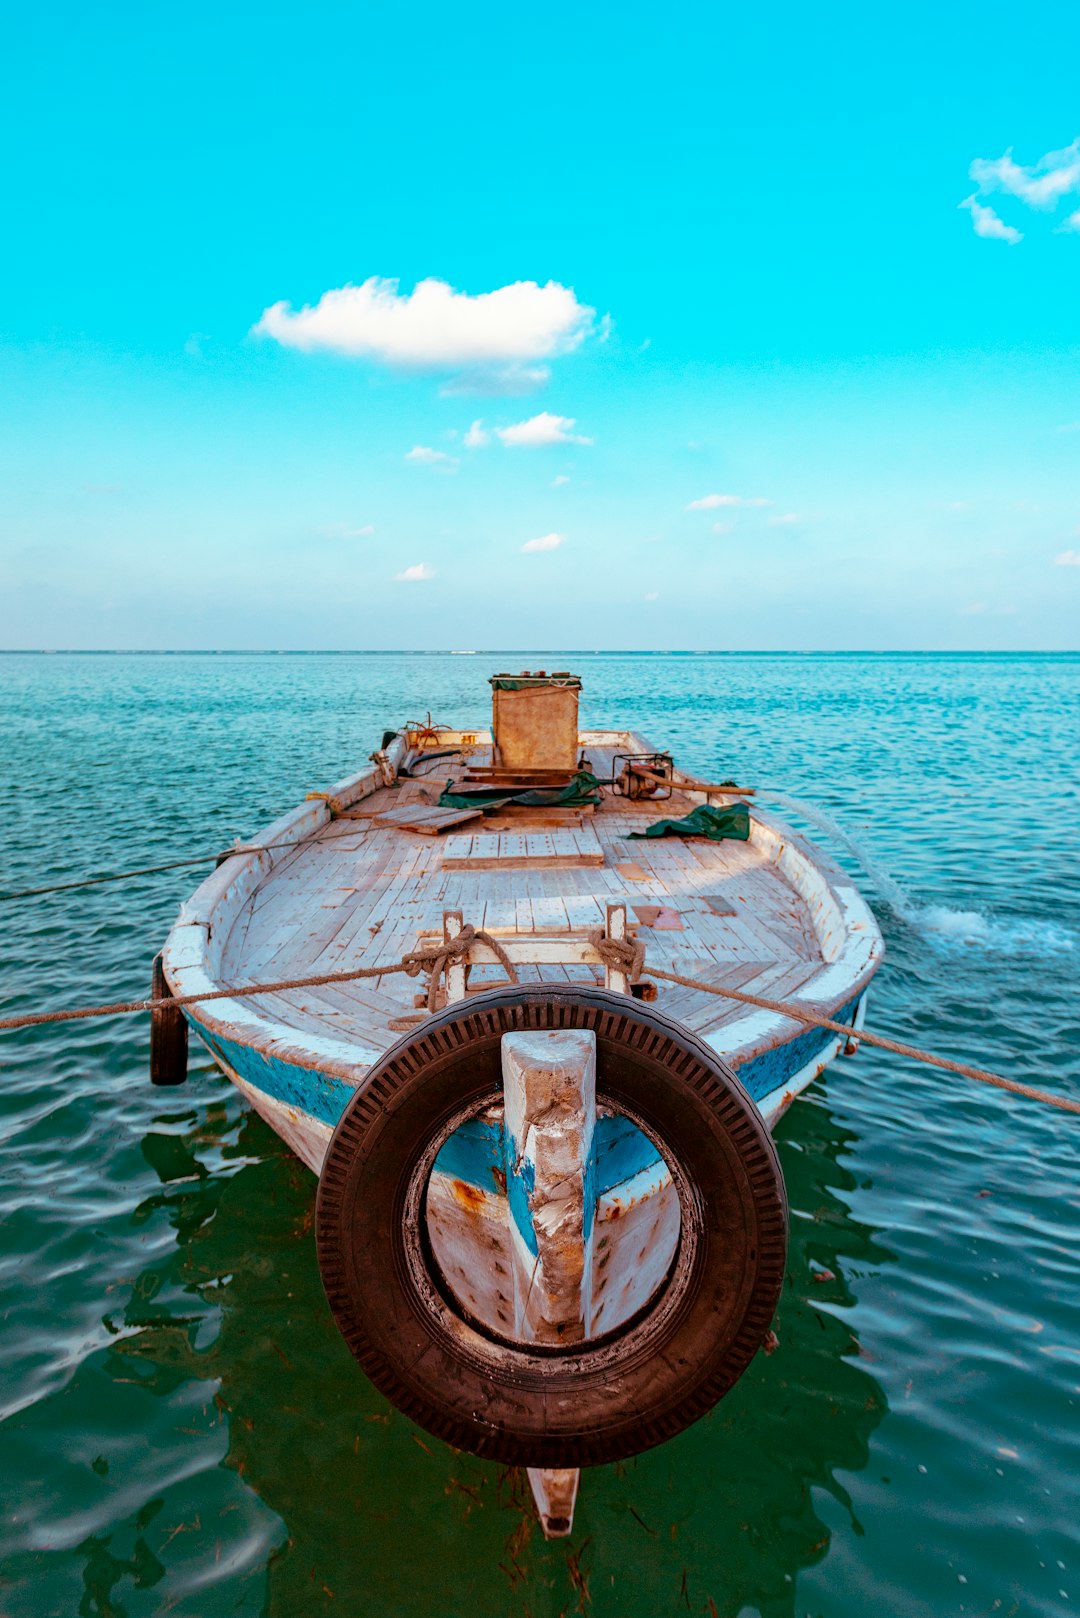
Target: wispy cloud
(417,574)
(546,542)
(482,381)
(1042,185)
(436,328)
(988,224)
(540,430)
(651,595)
(1069,427)
(341,530)
(476,437)
(1067,559)
(712,502)
(723,527)
(424,455)
(787,520)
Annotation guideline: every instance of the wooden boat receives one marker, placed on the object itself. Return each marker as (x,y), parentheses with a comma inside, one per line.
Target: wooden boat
(550,1222)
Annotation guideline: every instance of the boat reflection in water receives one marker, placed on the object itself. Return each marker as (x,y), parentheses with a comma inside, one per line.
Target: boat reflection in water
(360,1511)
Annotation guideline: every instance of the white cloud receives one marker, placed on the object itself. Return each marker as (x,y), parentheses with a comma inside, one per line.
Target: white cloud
(341,530)
(435,327)
(559,479)
(476,437)
(788,520)
(539,430)
(415,574)
(1072,223)
(653,595)
(424,455)
(1042,185)
(722,527)
(711,502)
(987,223)
(1067,559)
(546,542)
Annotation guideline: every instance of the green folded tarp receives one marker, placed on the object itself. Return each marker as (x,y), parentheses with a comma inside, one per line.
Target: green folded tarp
(704,821)
(532,682)
(583,788)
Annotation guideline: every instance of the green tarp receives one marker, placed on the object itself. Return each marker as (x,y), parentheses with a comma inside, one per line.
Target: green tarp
(583,788)
(533,682)
(704,821)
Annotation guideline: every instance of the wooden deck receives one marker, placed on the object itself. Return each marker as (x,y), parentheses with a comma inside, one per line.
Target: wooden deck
(359,892)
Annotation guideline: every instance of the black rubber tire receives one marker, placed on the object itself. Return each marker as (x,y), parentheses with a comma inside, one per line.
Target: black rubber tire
(591,1402)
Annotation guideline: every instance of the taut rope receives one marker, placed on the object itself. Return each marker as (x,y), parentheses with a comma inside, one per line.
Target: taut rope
(630,958)
(433,958)
(152,870)
(624,955)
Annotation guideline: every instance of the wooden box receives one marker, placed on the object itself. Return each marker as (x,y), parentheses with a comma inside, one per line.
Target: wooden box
(535,720)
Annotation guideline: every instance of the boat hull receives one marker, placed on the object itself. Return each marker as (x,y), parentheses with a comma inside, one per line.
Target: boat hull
(304,1104)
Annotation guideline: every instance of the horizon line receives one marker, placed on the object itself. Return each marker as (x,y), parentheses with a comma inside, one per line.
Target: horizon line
(579,651)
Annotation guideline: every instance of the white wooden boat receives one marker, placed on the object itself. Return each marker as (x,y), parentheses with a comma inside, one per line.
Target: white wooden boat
(551,1223)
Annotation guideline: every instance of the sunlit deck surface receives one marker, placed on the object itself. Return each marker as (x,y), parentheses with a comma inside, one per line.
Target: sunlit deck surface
(359,893)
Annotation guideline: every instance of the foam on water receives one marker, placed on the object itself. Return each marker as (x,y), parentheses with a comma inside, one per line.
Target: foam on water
(966,929)
(944,927)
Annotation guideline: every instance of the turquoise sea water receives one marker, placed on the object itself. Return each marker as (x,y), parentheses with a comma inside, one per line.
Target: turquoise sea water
(181,1430)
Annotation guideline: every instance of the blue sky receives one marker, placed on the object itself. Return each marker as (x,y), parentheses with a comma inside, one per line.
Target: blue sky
(782,263)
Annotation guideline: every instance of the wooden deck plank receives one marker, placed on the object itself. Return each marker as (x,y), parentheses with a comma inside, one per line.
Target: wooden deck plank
(711,1013)
(549,915)
(426,819)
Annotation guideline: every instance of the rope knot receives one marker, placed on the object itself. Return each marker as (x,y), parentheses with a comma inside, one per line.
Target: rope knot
(387,772)
(436,959)
(620,954)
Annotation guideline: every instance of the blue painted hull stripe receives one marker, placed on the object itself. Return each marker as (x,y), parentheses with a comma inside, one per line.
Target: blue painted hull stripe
(475,1152)
(306,1089)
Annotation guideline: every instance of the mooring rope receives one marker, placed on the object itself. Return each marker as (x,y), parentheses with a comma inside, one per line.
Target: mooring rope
(152,870)
(630,958)
(622,955)
(432,958)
